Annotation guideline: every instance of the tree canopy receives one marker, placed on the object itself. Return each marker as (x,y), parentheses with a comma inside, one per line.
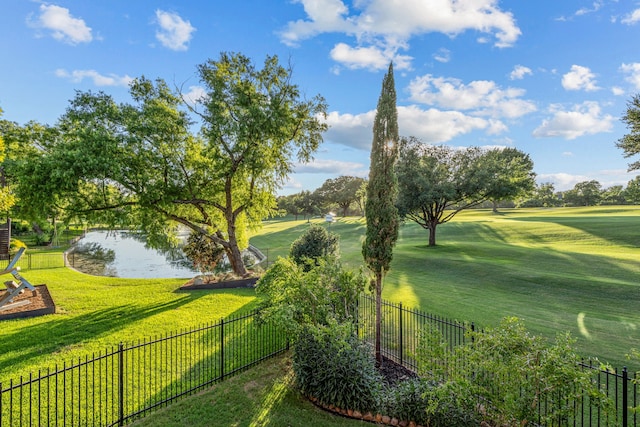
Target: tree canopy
(630,143)
(343,191)
(141,164)
(437,182)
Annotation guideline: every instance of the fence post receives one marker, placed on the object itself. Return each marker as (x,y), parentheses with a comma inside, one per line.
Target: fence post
(401,343)
(625,406)
(120,385)
(222,349)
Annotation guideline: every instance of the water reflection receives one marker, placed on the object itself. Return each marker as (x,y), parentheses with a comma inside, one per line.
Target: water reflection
(124,254)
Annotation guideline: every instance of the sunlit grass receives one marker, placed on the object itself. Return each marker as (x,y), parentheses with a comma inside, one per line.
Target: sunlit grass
(261,397)
(96,312)
(560,269)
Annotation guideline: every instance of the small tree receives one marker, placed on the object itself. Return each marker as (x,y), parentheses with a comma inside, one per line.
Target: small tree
(315,243)
(380,210)
(204,253)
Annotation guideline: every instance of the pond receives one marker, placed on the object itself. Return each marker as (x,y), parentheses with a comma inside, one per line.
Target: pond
(124,254)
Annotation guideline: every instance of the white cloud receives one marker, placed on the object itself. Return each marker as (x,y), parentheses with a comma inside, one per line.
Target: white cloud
(519,71)
(583,119)
(633,73)
(562,181)
(618,91)
(596,5)
(579,78)
(434,126)
(77,76)
(195,94)
(389,28)
(442,55)
(368,57)
(174,32)
(63,26)
(632,18)
(353,130)
(331,167)
(483,97)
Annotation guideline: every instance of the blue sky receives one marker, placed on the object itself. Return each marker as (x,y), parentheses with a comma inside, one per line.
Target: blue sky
(551,78)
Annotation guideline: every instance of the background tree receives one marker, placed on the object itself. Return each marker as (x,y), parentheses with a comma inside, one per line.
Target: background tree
(585,193)
(315,243)
(630,143)
(381,212)
(509,174)
(632,191)
(7,198)
(307,204)
(543,195)
(361,195)
(613,195)
(437,182)
(343,191)
(140,163)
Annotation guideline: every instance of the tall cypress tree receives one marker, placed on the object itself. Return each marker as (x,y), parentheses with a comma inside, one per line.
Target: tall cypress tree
(380,210)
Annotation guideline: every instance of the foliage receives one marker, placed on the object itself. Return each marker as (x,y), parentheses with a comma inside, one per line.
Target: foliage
(294,296)
(512,372)
(437,182)
(543,195)
(342,191)
(382,188)
(317,242)
(333,365)
(632,191)
(140,165)
(7,198)
(585,193)
(630,143)
(204,253)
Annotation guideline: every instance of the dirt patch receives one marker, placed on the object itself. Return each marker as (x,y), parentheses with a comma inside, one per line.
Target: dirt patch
(40,303)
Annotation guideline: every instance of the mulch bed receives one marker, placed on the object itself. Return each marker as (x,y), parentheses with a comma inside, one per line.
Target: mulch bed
(394,373)
(198,283)
(40,303)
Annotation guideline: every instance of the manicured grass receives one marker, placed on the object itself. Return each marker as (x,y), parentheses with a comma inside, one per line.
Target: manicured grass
(564,269)
(262,396)
(98,312)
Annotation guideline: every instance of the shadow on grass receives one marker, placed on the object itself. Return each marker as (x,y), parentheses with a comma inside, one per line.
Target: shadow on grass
(61,332)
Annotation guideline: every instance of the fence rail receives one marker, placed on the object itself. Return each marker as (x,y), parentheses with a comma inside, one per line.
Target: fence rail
(400,337)
(38,260)
(131,380)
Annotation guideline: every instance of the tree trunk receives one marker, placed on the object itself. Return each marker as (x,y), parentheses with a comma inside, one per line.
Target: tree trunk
(495,206)
(378,316)
(432,233)
(233,252)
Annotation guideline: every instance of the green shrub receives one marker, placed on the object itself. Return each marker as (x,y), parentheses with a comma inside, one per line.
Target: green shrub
(512,372)
(293,297)
(331,364)
(313,244)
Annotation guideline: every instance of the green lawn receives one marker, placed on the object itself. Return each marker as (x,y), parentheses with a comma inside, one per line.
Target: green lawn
(564,269)
(98,312)
(263,396)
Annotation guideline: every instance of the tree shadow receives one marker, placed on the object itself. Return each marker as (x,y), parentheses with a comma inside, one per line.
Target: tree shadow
(59,332)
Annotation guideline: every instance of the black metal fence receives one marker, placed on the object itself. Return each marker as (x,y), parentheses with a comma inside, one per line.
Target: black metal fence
(38,260)
(401,329)
(130,380)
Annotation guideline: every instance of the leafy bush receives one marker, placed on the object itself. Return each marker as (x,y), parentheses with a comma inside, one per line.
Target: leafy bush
(511,372)
(334,366)
(313,244)
(204,253)
(293,296)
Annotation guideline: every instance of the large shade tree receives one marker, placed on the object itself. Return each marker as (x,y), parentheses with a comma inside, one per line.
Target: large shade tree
(437,182)
(380,210)
(342,191)
(141,164)
(630,143)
